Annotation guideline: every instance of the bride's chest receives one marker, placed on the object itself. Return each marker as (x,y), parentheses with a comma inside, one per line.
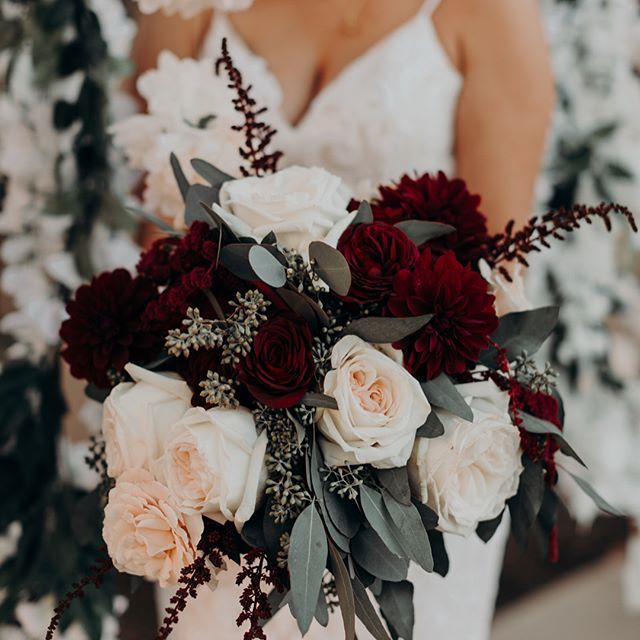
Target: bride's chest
(390,111)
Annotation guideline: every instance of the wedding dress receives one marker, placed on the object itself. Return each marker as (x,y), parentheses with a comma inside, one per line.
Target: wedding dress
(389,112)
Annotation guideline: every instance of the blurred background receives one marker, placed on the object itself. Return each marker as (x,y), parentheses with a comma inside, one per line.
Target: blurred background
(63,188)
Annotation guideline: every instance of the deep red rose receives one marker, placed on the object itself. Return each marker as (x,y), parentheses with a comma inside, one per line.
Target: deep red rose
(279,368)
(437,199)
(104,330)
(463,315)
(375,253)
(540,448)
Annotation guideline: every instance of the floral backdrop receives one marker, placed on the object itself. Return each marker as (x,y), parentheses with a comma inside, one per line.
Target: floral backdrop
(61,220)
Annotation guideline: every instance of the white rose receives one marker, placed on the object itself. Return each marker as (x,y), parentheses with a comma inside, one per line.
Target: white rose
(510,296)
(298,204)
(137,417)
(145,531)
(380,408)
(214,464)
(467,475)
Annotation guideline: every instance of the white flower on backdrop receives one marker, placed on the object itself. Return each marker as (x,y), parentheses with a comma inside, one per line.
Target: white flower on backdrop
(191,8)
(191,114)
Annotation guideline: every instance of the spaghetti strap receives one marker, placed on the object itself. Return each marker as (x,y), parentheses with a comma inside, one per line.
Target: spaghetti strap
(429,6)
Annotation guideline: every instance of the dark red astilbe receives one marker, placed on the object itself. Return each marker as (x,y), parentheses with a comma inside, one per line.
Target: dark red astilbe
(375,253)
(512,245)
(255,572)
(437,199)
(463,315)
(216,542)
(258,134)
(95,578)
(104,330)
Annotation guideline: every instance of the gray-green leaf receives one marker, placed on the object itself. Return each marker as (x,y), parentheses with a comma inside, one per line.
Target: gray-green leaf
(396,605)
(367,614)
(331,266)
(599,501)
(364,215)
(267,267)
(541,427)
(307,561)
(345,593)
(378,517)
(386,330)
(432,428)
(214,176)
(421,231)
(441,392)
(371,553)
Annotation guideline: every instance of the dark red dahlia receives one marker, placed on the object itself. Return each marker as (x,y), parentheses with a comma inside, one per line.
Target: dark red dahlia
(279,368)
(463,315)
(375,253)
(438,199)
(104,330)
(540,448)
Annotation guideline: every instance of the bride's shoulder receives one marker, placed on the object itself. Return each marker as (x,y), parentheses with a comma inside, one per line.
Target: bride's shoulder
(473,30)
(468,25)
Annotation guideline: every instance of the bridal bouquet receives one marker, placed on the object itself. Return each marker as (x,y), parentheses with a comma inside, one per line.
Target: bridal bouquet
(317,388)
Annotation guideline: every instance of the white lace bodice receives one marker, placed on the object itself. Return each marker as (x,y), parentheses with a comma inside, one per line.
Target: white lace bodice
(389,112)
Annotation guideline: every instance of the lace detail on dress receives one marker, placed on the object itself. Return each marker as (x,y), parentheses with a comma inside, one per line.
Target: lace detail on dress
(390,111)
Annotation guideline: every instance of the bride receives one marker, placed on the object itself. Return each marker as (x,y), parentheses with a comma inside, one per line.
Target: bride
(369,90)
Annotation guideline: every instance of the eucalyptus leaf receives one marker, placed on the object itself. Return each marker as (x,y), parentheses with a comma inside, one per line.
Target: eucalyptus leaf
(396,482)
(485,530)
(386,330)
(599,501)
(96,393)
(521,331)
(538,426)
(344,514)
(322,611)
(366,613)
(267,267)
(198,195)
(320,400)
(331,266)
(421,231)
(300,305)
(432,428)
(396,606)
(525,505)
(428,516)
(181,179)
(413,536)
(235,258)
(345,593)
(364,215)
(270,238)
(372,554)
(378,517)
(441,392)
(439,551)
(140,214)
(307,561)
(214,176)
(252,531)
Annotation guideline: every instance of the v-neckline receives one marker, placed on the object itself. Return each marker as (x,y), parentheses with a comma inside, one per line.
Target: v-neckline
(339,78)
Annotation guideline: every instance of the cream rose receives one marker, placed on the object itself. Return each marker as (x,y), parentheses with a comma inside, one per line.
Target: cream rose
(214,464)
(191,8)
(380,408)
(145,532)
(137,417)
(510,296)
(469,473)
(298,204)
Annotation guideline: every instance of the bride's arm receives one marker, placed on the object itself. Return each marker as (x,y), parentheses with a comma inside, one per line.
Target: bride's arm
(506,101)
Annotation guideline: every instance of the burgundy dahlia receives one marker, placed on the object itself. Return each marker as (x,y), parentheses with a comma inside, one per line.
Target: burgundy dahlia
(104,330)
(437,199)
(375,253)
(279,368)
(463,315)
